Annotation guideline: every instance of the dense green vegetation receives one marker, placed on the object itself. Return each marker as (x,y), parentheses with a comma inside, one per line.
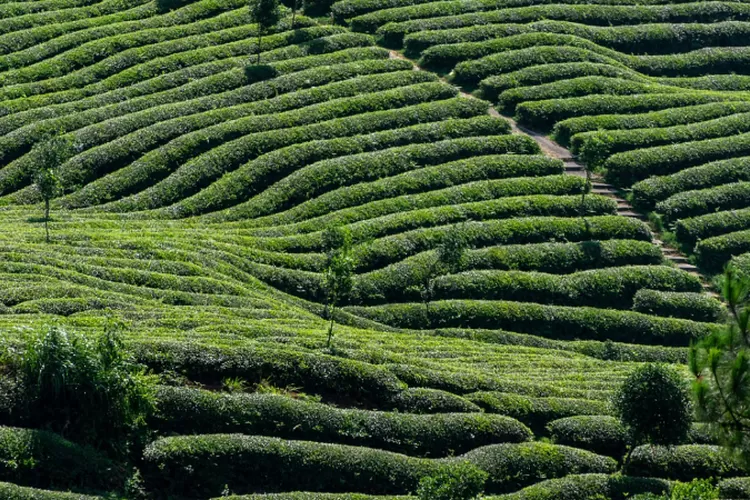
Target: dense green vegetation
(280,263)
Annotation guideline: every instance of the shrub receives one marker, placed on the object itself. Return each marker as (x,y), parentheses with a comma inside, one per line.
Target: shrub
(87,390)
(204,465)
(653,404)
(705,201)
(713,253)
(311,371)
(513,466)
(680,115)
(544,114)
(737,487)
(629,167)
(683,463)
(44,460)
(604,435)
(190,411)
(697,489)
(590,487)
(462,482)
(686,305)
(557,322)
(690,231)
(648,192)
(12,492)
(421,400)
(536,412)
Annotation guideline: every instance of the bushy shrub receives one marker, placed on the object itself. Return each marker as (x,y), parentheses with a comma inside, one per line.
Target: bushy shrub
(46,460)
(687,305)
(604,435)
(557,322)
(204,465)
(590,487)
(87,390)
(13,492)
(648,192)
(421,400)
(690,231)
(683,463)
(513,466)
(192,411)
(654,405)
(688,204)
(536,412)
(736,487)
(713,253)
(462,482)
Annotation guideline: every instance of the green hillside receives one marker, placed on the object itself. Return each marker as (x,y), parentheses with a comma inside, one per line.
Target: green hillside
(197,185)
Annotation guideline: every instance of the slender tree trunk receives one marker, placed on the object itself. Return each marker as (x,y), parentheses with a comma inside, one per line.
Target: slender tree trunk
(294,13)
(260,34)
(46,219)
(330,331)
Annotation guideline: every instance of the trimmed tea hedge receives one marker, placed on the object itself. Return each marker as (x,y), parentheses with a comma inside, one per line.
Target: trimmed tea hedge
(736,487)
(606,288)
(203,466)
(557,322)
(590,487)
(421,400)
(312,372)
(706,226)
(648,192)
(713,253)
(604,435)
(191,411)
(536,412)
(686,305)
(545,114)
(679,115)
(513,466)
(13,492)
(626,168)
(705,201)
(682,463)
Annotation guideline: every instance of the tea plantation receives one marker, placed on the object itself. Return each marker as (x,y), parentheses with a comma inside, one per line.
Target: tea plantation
(200,168)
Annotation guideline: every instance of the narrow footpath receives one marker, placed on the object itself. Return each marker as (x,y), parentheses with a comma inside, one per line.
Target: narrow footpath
(598,185)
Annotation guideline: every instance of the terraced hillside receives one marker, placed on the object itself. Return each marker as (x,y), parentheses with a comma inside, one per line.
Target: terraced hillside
(197,184)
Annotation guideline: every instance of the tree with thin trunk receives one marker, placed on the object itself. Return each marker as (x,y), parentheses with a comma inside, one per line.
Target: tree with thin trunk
(720,363)
(339,274)
(266,14)
(448,258)
(48,184)
(49,155)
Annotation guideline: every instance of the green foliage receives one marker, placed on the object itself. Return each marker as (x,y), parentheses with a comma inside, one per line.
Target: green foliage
(682,463)
(688,305)
(720,363)
(592,487)
(462,482)
(339,274)
(697,489)
(653,404)
(192,411)
(266,14)
(85,389)
(45,460)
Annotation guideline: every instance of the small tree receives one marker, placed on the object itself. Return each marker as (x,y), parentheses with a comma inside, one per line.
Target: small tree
(653,404)
(721,365)
(295,6)
(448,258)
(49,155)
(339,274)
(49,186)
(266,14)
